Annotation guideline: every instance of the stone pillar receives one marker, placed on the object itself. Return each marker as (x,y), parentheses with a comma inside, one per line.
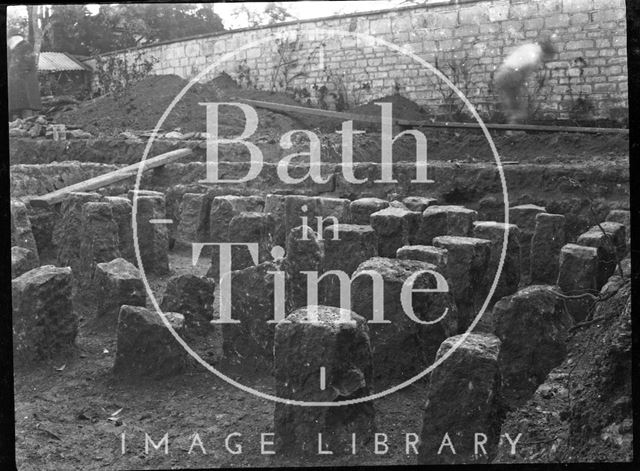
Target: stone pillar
(394,226)
(173,198)
(22,260)
(290,210)
(194,218)
(462,400)
(117,283)
(363,208)
(402,347)
(414,219)
(622,216)
(274,205)
(153,239)
(21,233)
(353,245)
(146,347)
(43,221)
(445,220)
(533,327)
(419,203)
(303,254)
(338,208)
(223,210)
(252,303)
(67,231)
(192,296)
(322,361)
(524,216)
(425,253)
(251,227)
(44,323)
(510,276)
(611,247)
(98,242)
(548,238)
(467,262)
(121,208)
(578,274)
(296,207)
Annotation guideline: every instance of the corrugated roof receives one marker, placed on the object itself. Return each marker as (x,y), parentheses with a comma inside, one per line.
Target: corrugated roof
(58,61)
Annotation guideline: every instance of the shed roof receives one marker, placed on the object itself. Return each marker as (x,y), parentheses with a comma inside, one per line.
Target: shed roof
(59,61)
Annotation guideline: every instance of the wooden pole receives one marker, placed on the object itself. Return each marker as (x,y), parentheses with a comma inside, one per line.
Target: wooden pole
(427,124)
(109,178)
(515,127)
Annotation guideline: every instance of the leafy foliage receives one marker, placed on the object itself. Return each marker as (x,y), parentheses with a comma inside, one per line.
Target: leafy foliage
(274,12)
(71,28)
(17,25)
(115,74)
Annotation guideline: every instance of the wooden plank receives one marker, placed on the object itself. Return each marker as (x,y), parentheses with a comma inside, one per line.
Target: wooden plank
(109,178)
(512,127)
(428,124)
(312,111)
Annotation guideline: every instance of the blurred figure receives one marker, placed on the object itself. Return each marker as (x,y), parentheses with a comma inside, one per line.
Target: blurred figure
(24,89)
(511,76)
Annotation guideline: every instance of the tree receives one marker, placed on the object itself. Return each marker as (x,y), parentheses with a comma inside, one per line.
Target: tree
(71,28)
(17,24)
(38,25)
(134,24)
(274,12)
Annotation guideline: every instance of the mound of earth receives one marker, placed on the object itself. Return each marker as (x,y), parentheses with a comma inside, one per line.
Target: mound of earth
(402,108)
(141,106)
(224,81)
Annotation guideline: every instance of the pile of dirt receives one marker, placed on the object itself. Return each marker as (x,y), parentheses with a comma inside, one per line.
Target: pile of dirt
(224,81)
(402,108)
(143,104)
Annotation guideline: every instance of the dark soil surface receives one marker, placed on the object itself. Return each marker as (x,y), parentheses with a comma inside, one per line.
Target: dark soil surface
(143,104)
(402,108)
(71,412)
(67,411)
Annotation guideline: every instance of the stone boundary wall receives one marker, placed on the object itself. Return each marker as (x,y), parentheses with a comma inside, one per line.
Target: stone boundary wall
(466,40)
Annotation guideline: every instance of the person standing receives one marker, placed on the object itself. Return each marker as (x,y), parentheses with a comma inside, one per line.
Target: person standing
(24,89)
(511,76)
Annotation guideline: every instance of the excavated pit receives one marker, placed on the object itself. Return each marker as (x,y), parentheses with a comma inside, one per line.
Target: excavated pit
(582,177)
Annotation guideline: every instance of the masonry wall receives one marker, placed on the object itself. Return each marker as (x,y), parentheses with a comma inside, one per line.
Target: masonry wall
(466,40)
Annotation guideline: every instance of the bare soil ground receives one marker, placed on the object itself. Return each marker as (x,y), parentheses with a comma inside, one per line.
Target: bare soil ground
(65,416)
(66,410)
(144,103)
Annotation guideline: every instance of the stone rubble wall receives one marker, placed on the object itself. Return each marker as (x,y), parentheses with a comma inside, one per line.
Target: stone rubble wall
(587,78)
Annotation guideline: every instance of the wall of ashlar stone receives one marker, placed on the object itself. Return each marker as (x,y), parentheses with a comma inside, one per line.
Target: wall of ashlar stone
(466,40)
